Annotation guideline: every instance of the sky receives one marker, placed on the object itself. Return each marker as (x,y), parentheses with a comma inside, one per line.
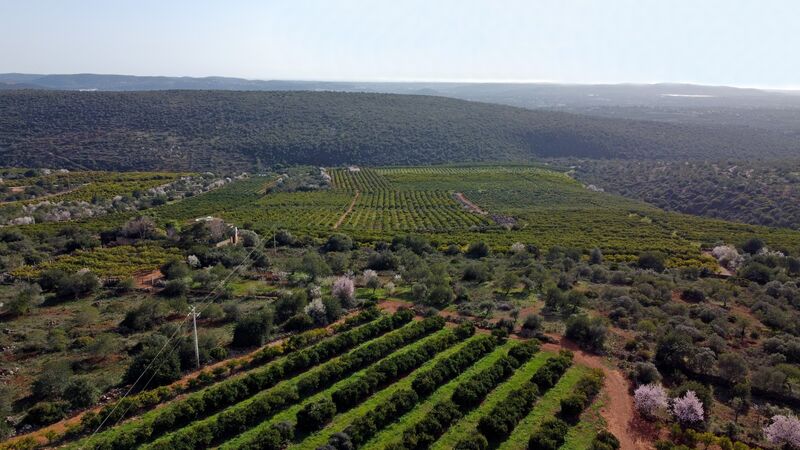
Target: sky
(754,43)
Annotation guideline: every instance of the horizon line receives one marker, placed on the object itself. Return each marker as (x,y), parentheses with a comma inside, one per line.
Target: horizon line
(444,80)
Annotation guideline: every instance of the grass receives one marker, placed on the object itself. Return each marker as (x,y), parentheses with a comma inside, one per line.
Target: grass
(341,421)
(546,406)
(290,413)
(581,435)
(469,423)
(394,432)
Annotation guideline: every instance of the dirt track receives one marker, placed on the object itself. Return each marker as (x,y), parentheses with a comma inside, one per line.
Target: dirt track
(468,203)
(618,412)
(349,210)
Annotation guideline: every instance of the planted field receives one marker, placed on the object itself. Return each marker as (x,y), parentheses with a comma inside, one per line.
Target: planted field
(499,205)
(383,384)
(121,261)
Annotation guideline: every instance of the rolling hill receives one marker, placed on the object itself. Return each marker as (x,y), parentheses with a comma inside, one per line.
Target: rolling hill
(220,130)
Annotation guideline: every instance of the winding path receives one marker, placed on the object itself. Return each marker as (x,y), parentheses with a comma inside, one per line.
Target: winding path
(618,411)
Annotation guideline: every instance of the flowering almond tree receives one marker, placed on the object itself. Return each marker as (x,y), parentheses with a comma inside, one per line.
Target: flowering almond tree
(344,289)
(784,431)
(651,400)
(688,409)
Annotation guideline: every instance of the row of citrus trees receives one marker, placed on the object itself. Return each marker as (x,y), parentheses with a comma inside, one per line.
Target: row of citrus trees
(254,385)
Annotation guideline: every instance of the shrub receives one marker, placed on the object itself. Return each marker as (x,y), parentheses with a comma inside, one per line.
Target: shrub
(552,370)
(425,432)
(502,419)
(315,415)
(252,330)
(478,250)
(44,413)
(472,391)
(550,435)
(475,441)
(364,427)
(652,261)
(589,333)
(276,437)
(584,391)
(232,391)
(604,441)
(531,325)
(80,393)
(450,367)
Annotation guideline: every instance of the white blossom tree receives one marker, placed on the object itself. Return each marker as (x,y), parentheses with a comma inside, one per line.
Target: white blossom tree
(371,280)
(517,247)
(651,400)
(344,289)
(784,431)
(688,409)
(316,309)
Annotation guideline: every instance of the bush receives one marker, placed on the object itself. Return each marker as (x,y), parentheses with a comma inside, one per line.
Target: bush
(652,261)
(253,330)
(175,288)
(550,435)
(531,325)
(276,437)
(477,272)
(604,441)
(364,427)
(425,432)
(504,417)
(167,364)
(45,413)
(589,333)
(472,391)
(388,370)
(552,370)
(478,250)
(475,441)
(80,393)
(315,415)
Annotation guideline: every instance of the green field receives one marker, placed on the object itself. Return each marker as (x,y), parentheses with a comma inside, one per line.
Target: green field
(528,204)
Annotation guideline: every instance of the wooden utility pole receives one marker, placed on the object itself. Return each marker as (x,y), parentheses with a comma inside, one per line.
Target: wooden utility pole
(195,315)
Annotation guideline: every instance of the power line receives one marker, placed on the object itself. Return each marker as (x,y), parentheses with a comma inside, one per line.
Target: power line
(169,340)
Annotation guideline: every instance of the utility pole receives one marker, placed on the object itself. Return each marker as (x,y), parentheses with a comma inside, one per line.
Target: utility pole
(195,315)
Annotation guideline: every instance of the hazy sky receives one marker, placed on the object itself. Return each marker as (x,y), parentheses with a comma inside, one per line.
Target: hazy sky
(733,42)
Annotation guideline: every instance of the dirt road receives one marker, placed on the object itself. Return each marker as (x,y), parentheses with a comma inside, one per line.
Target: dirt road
(349,210)
(618,412)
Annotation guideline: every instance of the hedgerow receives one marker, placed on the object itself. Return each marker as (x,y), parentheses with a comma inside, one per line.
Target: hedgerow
(550,435)
(586,389)
(504,417)
(466,396)
(364,427)
(390,369)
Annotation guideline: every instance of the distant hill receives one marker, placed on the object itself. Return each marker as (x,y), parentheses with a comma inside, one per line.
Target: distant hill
(213,130)
(675,103)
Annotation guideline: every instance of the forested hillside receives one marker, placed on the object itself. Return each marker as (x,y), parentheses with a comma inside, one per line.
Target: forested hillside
(200,130)
(750,192)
